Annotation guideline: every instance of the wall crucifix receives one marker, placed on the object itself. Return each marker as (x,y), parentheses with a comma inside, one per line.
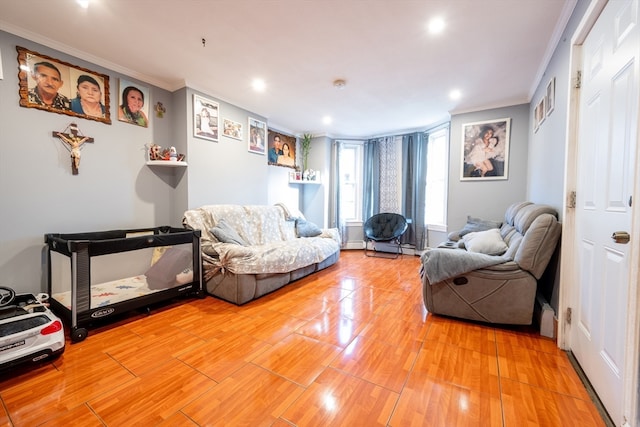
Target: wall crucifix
(73,141)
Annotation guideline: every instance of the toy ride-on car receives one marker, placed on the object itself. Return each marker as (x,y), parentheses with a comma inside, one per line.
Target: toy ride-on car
(29,331)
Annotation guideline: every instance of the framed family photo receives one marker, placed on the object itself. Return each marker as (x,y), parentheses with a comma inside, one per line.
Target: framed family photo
(232,129)
(485,150)
(282,149)
(133,104)
(205,118)
(59,87)
(257,136)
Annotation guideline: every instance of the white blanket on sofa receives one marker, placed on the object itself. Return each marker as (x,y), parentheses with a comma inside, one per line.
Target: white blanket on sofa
(275,257)
(442,264)
(272,245)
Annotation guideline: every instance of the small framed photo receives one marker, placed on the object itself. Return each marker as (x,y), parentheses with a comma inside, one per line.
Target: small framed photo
(205,118)
(134,104)
(257,136)
(59,87)
(551,96)
(485,150)
(232,129)
(539,114)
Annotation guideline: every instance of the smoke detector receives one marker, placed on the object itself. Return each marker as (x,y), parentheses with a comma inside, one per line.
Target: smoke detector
(339,83)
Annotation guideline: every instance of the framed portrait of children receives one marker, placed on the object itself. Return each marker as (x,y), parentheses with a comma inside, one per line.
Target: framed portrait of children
(133,103)
(57,86)
(485,150)
(257,136)
(282,149)
(205,118)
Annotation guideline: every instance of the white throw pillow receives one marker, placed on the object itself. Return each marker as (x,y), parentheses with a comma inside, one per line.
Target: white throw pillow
(488,242)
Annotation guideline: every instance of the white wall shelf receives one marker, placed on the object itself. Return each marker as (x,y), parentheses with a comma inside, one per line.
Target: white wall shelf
(166,163)
(300,181)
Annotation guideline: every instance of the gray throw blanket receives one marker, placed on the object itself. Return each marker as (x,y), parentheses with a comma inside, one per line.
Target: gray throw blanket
(442,264)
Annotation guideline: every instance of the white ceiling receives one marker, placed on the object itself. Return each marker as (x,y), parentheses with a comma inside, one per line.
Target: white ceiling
(398,75)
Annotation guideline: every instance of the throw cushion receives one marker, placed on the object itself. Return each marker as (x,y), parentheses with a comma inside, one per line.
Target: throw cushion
(486,242)
(226,234)
(474,224)
(306,228)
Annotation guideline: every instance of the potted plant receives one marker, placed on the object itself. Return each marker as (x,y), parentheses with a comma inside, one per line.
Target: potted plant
(305,143)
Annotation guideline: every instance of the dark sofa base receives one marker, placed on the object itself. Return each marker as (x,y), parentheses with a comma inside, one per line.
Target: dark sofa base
(242,288)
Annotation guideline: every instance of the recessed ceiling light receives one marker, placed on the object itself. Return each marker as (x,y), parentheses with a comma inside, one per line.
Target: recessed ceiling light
(455,94)
(436,25)
(83,3)
(327,120)
(258,85)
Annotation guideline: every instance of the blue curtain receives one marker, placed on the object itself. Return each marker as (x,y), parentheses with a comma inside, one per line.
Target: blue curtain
(414,180)
(371,178)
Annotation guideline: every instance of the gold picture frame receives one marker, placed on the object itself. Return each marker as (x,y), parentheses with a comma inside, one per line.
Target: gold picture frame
(57,86)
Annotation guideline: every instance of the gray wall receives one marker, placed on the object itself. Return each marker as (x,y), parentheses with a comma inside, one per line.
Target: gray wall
(547,158)
(114,189)
(487,198)
(547,149)
(315,198)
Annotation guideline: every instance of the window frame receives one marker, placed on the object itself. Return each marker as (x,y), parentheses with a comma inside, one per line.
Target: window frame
(443,181)
(357,147)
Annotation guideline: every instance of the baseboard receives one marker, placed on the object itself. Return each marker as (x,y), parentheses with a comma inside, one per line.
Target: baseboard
(381,247)
(354,245)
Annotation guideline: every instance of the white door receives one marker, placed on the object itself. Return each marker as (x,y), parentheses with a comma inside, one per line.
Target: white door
(607,139)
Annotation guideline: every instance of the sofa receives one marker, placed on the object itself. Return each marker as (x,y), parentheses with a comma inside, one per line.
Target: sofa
(489,270)
(250,251)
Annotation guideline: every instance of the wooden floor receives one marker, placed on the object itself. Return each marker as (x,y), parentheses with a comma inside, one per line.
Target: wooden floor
(349,346)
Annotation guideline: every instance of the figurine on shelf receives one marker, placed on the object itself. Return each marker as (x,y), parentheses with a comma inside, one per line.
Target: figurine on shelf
(154,152)
(309,175)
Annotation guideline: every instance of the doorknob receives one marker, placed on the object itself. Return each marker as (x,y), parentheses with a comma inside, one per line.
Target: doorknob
(621,237)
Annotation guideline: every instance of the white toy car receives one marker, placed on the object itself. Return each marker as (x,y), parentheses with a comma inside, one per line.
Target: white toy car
(29,331)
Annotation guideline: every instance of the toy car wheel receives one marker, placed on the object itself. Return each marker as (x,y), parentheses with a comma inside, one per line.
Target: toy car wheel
(78,334)
(7,295)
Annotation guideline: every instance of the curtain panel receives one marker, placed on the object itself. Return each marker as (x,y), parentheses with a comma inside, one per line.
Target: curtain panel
(414,181)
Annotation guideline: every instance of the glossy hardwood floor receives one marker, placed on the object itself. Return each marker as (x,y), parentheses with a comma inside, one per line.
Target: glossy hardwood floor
(348,346)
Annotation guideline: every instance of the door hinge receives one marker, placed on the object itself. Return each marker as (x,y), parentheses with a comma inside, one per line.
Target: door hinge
(578,80)
(571,200)
(568,316)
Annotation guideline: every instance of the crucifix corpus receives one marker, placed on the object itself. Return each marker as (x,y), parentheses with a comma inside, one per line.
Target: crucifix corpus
(74,140)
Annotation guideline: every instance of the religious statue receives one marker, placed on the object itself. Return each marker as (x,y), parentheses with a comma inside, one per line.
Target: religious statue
(74,143)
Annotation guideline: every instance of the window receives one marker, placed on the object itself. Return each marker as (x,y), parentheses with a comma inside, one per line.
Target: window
(437,173)
(350,167)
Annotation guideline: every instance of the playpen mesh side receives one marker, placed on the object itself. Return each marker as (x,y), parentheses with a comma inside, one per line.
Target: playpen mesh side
(83,285)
